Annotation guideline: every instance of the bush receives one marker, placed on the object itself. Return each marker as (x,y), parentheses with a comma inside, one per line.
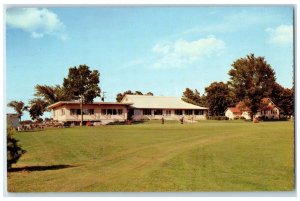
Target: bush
(217,118)
(14,150)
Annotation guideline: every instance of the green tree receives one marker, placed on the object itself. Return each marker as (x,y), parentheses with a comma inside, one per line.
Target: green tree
(193,97)
(120,96)
(283,98)
(149,94)
(82,84)
(52,94)
(252,78)
(14,150)
(218,98)
(37,108)
(19,107)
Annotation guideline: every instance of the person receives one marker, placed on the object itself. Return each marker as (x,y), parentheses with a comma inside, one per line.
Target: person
(181,120)
(162,120)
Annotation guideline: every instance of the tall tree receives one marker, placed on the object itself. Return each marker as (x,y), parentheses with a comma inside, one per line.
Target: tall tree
(218,98)
(19,107)
(37,108)
(82,84)
(252,78)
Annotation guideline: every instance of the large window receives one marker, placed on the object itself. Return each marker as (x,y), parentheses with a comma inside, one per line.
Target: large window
(198,112)
(147,112)
(188,112)
(111,111)
(168,112)
(178,112)
(157,112)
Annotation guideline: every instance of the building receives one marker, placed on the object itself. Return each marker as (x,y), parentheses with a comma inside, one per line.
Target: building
(268,110)
(155,107)
(133,107)
(12,120)
(104,112)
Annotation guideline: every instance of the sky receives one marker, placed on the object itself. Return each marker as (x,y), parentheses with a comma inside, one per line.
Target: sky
(149,49)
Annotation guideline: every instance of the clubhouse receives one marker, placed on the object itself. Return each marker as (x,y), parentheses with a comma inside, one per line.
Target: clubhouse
(131,107)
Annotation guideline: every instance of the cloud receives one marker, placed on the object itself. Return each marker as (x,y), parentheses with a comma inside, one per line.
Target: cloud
(38,22)
(182,53)
(281,35)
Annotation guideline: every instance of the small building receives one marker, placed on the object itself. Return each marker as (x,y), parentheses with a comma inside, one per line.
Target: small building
(155,107)
(12,120)
(268,110)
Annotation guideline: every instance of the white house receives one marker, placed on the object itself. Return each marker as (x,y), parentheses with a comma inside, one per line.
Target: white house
(156,107)
(268,110)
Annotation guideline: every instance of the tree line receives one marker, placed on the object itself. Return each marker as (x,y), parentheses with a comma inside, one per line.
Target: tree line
(250,80)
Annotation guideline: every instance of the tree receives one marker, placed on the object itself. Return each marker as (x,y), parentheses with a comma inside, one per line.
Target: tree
(252,78)
(193,97)
(121,95)
(218,98)
(82,84)
(14,150)
(149,94)
(52,94)
(283,98)
(19,107)
(37,108)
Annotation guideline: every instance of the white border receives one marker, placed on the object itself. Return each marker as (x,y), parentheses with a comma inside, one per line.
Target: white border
(136,196)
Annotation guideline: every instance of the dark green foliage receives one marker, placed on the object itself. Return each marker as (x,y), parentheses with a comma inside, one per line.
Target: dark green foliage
(218,97)
(14,150)
(52,94)
(193,97)
(129,92)
(82,83)
(283,98)
(37,108)
(18,106)
(252,78)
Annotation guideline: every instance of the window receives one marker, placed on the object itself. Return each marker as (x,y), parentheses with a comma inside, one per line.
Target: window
(120,111)
(157,112)
(103,111)
(109,111)
(168,112)
(178,112)
(188,112)
(90,111)
(198,112)
(54,113)
(73,112)
(78,111)
(147,112)
(62,111)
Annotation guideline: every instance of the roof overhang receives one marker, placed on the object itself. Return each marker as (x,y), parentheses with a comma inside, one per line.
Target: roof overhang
(61,103)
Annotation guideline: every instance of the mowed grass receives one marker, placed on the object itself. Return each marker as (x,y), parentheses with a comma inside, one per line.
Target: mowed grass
(151,157)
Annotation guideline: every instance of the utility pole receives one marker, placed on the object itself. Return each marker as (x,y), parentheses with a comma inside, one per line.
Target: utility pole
(103,96)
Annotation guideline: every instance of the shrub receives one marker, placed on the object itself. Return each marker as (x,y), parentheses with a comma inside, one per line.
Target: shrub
(217,118)
(14,150)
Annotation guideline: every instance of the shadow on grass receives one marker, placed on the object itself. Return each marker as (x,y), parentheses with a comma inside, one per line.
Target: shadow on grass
(40,168)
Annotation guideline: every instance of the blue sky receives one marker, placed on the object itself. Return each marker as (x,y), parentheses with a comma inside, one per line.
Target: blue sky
(157,49)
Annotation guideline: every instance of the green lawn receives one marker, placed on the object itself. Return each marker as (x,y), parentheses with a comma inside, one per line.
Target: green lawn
(204,156)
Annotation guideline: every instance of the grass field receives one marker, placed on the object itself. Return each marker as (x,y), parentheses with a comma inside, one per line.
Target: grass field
(151,157)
